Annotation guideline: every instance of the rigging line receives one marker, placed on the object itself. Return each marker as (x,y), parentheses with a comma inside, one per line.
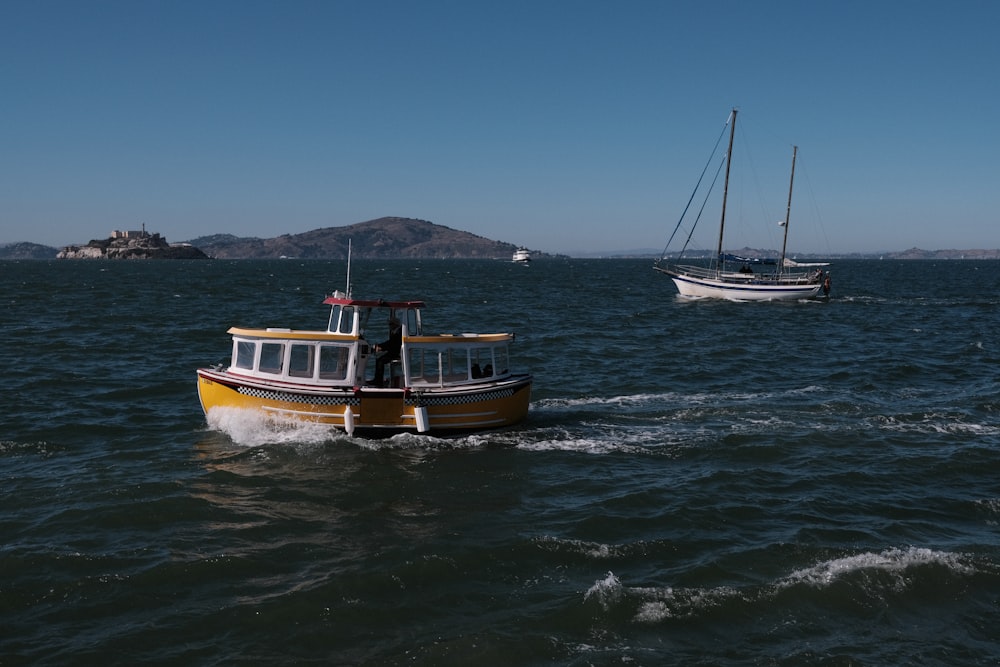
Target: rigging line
(750,167)
(704,202)
(815,205)
(695,191)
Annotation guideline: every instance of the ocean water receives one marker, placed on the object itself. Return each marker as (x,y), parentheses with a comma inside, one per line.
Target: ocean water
(697,483)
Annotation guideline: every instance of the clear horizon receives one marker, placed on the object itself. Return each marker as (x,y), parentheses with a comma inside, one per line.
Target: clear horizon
(567,127)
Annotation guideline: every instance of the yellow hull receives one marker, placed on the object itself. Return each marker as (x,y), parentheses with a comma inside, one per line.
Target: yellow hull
(471,407)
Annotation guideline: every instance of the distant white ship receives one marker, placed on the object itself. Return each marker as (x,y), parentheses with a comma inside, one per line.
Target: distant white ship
(522,255)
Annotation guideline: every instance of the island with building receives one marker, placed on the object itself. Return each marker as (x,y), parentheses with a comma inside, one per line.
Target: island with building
(138,244)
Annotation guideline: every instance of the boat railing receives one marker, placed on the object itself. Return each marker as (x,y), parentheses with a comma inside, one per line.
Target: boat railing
(459,339)
(785,278)
(694,271)
(279,333)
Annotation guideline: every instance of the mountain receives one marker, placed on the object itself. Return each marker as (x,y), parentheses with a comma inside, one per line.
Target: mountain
(917,253)
(26,251)
(384,238)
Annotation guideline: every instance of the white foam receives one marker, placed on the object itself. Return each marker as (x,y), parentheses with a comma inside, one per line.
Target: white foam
(595,550)
(657,603)
(671,399)
(631,440)
(680,602)
(991,505)
(252,428)
(935,423)
(628,400)
(607,592)
(893,561)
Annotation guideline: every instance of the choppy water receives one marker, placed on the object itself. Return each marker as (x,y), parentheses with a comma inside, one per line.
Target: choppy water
(697,483)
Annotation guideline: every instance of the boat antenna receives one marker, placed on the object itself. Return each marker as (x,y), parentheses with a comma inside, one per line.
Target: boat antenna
(348,289)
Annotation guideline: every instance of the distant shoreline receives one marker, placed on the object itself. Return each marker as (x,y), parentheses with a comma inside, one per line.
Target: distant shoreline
(31,251)
(395,237)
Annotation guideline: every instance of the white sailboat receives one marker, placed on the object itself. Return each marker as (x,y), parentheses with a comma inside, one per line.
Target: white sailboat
(772,280)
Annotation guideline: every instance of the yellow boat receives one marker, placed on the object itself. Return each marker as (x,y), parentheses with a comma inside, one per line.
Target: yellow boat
(430,383)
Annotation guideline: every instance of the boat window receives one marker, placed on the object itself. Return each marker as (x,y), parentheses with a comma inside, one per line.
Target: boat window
(482,362)
(412,318)
(417,361)
(244,354)
(439,364)
(346,321)
(271,356)
(456,363)
(334,324)
(364,314)
(333,362)
(501,360)
(300,360)
(342,319)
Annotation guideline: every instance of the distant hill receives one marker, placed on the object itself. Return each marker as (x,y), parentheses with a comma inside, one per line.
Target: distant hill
(912,253)
(394,238)
(384,238)
(917,253)
(27,251)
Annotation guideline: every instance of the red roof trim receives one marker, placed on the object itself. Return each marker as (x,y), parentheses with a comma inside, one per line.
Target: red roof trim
(370,303)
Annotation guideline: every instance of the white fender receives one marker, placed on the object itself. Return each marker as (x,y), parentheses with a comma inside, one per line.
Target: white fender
(349,421)
(422,423)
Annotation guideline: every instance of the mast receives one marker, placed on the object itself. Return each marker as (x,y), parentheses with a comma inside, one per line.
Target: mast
(788,211)
(725,189)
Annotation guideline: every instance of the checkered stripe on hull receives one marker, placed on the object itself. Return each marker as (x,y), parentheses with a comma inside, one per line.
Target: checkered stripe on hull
(287,397)
(459,399)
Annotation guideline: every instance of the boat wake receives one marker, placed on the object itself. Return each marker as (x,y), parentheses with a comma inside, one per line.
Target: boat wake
(651,423)
(253,428)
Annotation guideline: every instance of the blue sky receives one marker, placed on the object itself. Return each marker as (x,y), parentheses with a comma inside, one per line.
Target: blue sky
(564,125)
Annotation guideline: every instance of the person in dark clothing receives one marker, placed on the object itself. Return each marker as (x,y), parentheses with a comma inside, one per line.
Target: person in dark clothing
(388,350)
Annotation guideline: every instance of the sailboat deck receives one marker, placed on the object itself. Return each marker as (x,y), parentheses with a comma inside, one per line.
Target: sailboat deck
(704,273)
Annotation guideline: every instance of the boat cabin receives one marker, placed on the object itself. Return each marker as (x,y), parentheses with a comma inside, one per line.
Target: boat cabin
(359,349)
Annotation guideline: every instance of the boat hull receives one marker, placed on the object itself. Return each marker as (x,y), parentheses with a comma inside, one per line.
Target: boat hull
(749,289)
(372,410)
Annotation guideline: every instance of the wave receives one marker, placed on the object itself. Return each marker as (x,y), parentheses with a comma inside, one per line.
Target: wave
(585,548)
(672,398)
(893,561)
(934,423)
(44,449)
(867,575)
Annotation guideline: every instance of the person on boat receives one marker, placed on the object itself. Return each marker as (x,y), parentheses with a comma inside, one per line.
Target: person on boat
(826,284)
(388,350)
